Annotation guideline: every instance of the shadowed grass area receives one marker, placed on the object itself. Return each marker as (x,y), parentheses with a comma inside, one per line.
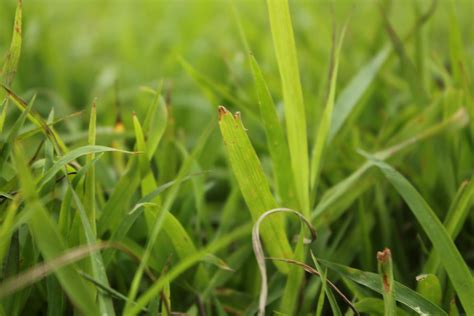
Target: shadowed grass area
(146,145)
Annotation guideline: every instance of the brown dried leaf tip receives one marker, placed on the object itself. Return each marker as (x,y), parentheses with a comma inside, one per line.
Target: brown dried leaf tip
(384,256)
(221,111)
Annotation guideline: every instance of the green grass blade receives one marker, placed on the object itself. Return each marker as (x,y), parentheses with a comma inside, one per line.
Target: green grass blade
(325,123)
(50,242)
(253,185)
(186,263)
(277,145)
(385,268)
(455,266)
(401,293)
(456,217)
(90,182)
(354,91)
(10,64)
(73,155)
(285,49)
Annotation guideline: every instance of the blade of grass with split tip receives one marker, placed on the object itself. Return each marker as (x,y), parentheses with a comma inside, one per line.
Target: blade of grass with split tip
(277,145)
(253,184)
(186,263)
(285,49)
(384,259)
(453,262)
(454,221)
(401,293)
(49,241)
(353,92)
(10,64)
(325,123)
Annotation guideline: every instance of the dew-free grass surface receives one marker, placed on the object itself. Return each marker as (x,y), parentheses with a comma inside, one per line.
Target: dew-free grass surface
(142,140)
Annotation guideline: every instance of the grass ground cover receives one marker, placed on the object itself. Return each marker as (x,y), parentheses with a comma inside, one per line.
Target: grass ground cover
(236,157)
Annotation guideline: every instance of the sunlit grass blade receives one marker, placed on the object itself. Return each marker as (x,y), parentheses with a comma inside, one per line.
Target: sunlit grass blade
(253,185)
(277,145)
(285,49)
(452,261)
(48,239)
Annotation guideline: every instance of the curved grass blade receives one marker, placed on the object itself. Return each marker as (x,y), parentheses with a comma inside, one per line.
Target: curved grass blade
(285,49)
(260,256)
(453,262)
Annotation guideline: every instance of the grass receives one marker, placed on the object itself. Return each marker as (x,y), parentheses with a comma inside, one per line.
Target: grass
(153,156)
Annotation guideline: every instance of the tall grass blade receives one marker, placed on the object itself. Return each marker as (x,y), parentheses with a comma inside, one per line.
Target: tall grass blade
(285,49)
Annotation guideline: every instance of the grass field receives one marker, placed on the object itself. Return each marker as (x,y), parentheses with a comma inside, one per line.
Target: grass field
(236,157)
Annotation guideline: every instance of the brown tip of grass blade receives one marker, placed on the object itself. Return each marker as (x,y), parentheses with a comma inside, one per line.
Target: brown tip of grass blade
(384,255)
(221,111)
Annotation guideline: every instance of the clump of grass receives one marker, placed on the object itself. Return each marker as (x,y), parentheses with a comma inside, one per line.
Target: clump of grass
(151,198)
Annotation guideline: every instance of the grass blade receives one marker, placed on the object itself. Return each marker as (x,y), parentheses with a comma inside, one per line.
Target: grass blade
(253,185)
(277,145)
(384,259)
(285,49)
(455,266)
(50,242)
(325,123)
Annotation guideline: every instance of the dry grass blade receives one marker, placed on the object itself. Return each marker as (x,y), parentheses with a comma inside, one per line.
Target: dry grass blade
(260,256)
(44,269)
